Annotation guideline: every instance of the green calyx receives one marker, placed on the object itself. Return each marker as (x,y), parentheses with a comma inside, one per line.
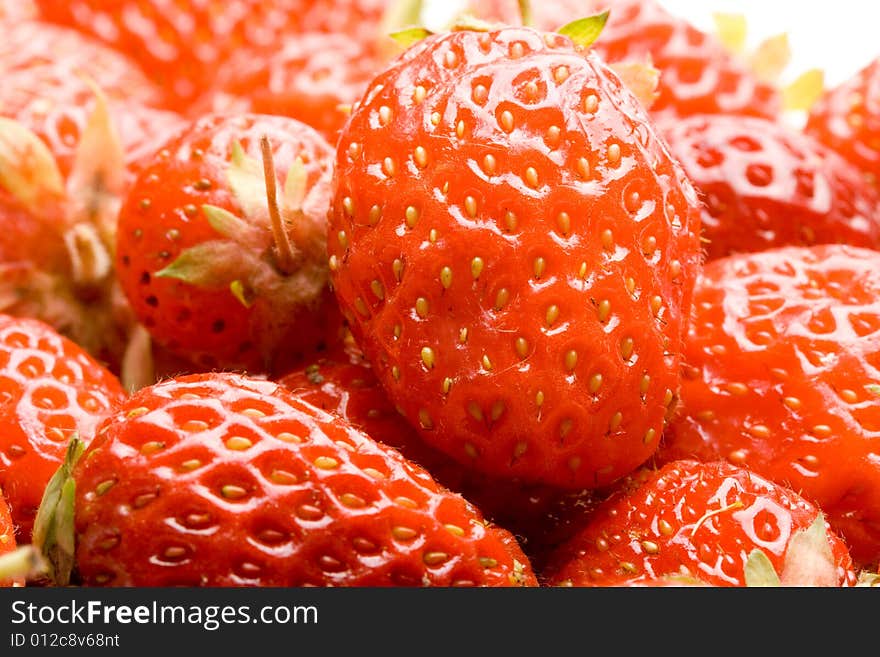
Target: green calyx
(410,36)
(54,535)
(759,570)
(584,31)
(28,169)
(809,561)
(238,257)
(868,578)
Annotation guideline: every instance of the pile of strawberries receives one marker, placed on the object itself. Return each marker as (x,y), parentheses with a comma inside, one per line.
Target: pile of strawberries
(302,293)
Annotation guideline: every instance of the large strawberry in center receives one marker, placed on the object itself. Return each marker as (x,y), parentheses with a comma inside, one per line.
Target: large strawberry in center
(515,250)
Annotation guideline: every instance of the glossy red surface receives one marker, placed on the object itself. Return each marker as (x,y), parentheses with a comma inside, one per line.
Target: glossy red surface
(180,43)
(698,75)
(765,184)
(514,248)
(344,384)
(778,367)
(700,520)
(50,389)
(847,119)
(224,480)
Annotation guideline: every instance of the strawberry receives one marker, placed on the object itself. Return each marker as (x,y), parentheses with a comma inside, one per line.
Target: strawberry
(669,581)
(765,184)
(846,118)
(782,375)
(181,44)
(713,521)
(54,249)
(50,388)
(345,385)
(50,77)
(313,78)
(50,74)
(217,269)
(74,120)
(218,479)
(697,74)
(60,60)
(56,246)
(514,249)
(7,539)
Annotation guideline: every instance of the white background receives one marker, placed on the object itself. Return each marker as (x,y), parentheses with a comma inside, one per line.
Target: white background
(838,36)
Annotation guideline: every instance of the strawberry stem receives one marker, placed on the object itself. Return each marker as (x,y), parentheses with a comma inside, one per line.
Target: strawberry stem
(284,250)
(709,514)
(138,369)
(525,12)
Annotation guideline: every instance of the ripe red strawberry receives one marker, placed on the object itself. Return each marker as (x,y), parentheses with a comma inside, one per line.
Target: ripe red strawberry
(39,58)
(218,270)
(669,581)
(50,74)
(697,74)
(765,184)
(223,480)
(713,521)
(78,134)
(312,78)
(846,118)
(52,77)
(344,384)
(782,375)
(59,231)
(514,249)
(180,44)
(50,389)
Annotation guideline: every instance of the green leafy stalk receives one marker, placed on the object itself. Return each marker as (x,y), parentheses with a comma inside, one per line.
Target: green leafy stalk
(809,561)
(284,250)
(759,571)
(53,533)
(224,222)
(205,265)
(410,36)
(585,31)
